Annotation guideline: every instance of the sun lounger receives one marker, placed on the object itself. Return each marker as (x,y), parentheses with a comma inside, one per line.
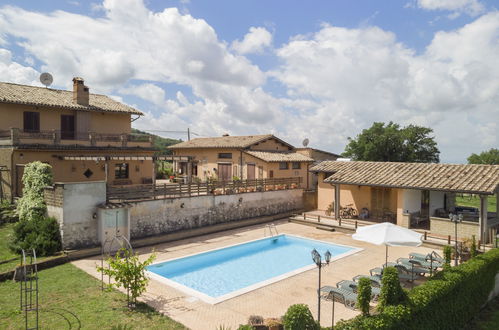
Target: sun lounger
(427,257)
(424,263)
(375,279)
(348,297)
(416,265)
(403,273)
(354,286)
(413,266)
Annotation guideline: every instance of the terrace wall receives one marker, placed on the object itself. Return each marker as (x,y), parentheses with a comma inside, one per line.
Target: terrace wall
(158,217)
(75,206)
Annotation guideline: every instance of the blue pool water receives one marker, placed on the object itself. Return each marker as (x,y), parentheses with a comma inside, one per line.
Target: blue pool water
(220,272)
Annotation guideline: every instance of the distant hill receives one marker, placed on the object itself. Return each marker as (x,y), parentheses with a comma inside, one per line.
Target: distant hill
(159,142)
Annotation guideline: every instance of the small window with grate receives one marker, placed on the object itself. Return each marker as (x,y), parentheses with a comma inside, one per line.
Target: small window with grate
(225,155)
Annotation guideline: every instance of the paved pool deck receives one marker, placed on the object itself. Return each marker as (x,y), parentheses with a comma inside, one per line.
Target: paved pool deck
(270,301)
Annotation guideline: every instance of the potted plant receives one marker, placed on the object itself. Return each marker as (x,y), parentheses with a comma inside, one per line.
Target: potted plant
(273,324)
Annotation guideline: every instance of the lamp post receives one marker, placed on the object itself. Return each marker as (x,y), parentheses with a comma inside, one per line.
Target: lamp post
(456,219)
(318,261)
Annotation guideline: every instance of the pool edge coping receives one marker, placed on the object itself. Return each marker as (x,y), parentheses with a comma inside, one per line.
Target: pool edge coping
(216,300)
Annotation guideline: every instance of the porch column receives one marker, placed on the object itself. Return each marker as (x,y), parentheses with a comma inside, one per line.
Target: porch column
(189,171)
(483,225)
(337,201)
(154,170)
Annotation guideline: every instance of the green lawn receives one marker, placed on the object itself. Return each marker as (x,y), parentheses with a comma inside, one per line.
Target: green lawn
(474,200)
(5,253)
(68,292)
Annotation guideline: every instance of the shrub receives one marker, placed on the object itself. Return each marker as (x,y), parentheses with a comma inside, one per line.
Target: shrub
(299,317)
(36,177)
(8,212)
(128,272)
(447,254)
(446,301)
(473,249)
(364,295)
(40,233)
(245,327)
(255,320)
(391,291)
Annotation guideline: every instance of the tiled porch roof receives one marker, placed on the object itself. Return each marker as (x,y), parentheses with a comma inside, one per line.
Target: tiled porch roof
(270,156)
(476,179)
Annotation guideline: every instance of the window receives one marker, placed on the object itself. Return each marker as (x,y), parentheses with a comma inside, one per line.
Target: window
(226,155)
(283,166)
(121,171)
(296,165)
(31,121)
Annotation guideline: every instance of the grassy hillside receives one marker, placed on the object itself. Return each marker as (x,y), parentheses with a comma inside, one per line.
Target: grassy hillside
(159,142)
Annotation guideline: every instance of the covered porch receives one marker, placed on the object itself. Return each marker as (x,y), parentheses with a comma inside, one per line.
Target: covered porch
(412,195)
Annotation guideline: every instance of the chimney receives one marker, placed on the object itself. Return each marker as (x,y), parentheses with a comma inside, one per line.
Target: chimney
(80,92)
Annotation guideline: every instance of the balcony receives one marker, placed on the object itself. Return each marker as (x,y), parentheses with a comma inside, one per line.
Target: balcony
(16,136)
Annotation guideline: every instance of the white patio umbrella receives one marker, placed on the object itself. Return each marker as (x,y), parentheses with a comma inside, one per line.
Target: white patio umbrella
(388,234)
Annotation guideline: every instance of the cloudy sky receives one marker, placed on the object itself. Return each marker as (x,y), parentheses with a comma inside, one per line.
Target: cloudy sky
(322,70)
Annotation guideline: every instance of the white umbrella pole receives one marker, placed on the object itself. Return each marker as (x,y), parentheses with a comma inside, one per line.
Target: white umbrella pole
(386,256)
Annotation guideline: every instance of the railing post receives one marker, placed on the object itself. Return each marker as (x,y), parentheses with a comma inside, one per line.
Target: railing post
(14,135)
(124,139)
(339,222)
(318,218)
(356,224)
(56,137)
(425,235)
(180,189)
(448,239)
(91,138)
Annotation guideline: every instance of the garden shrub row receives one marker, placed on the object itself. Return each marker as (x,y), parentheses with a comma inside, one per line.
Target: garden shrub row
(446,301)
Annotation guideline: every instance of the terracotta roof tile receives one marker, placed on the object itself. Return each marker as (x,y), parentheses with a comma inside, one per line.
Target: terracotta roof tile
(222,142)
(56,98)
(272,156)
(479,179)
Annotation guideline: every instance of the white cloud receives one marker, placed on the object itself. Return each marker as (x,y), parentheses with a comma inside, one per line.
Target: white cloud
(255,41)
(337,81)
(14,72)
(364,75)
(470,7)
(148,92)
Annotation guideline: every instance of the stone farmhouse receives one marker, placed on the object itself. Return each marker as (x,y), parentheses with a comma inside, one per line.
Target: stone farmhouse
(83,136)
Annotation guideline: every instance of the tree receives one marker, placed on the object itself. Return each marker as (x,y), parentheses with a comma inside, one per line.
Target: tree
(128,272)
(391,143)
(489,157)
(36,177)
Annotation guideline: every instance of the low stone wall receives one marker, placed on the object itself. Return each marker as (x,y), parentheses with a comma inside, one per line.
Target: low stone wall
(75,206)
(158,217)
(465,229)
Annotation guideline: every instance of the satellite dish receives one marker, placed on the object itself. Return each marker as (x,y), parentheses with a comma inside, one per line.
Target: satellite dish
(305,142)
(46,79)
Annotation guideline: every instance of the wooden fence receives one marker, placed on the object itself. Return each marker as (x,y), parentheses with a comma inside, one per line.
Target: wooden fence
(175,190)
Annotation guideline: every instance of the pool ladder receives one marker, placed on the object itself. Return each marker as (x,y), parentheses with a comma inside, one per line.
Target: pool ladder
(271,229)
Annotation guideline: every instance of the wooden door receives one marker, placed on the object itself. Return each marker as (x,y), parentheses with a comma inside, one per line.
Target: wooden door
(224,172)
(250,171)
(67,127)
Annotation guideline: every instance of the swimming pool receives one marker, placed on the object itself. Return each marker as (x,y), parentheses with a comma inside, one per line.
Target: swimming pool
(220,274)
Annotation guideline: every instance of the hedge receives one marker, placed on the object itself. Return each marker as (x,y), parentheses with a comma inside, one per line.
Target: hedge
(448,300)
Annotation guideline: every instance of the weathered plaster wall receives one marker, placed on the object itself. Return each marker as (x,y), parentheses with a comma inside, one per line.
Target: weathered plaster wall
(74,206)
(75,212)
(164,216)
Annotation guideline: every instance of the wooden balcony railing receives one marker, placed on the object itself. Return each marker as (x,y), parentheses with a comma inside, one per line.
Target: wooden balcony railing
(16,136)
(175,190)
